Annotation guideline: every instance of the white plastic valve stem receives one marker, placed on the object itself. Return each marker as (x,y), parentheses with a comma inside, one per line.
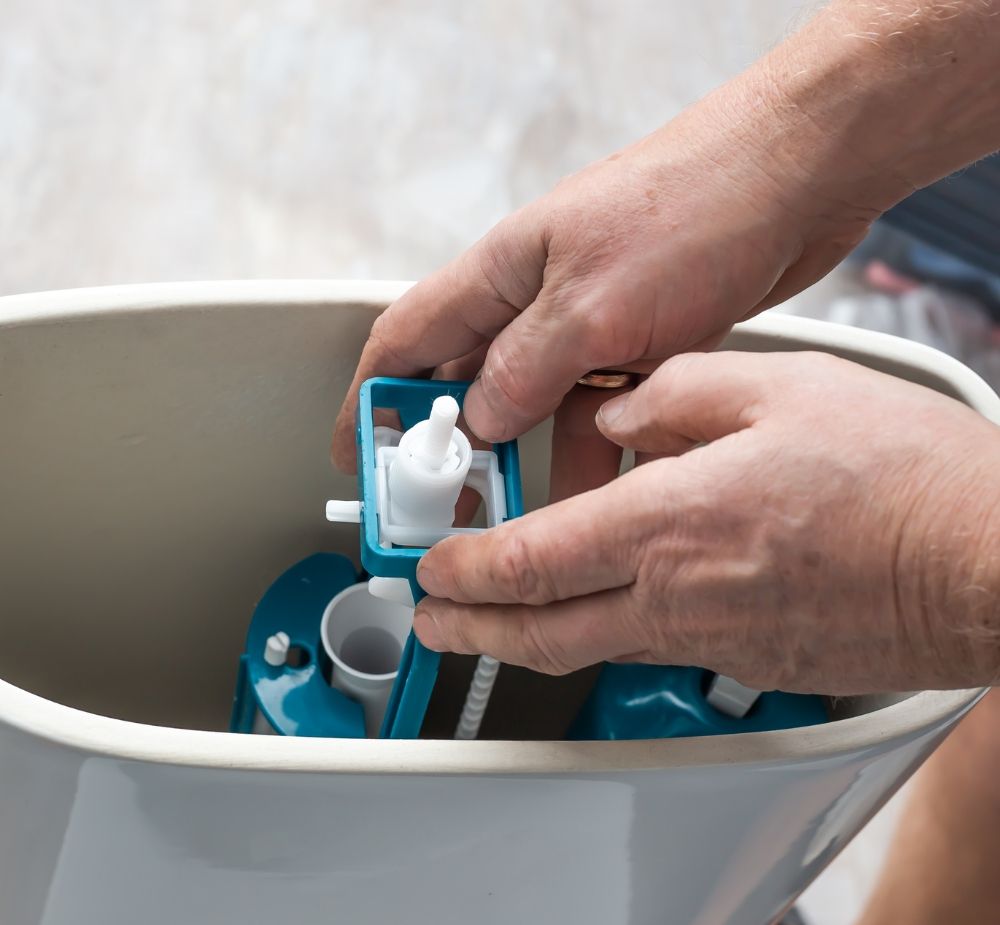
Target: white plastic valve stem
(427,474)
(440,427)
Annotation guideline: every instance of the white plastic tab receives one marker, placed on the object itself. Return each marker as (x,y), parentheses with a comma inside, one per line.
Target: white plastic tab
(730,697)
(276,649)
(396,590)
(344,512)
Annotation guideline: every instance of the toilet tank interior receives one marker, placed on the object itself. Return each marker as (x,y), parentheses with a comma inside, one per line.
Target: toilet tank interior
(160,468)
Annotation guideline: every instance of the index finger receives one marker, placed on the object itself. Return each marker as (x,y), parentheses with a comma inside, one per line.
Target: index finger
(446,316)
(584,544)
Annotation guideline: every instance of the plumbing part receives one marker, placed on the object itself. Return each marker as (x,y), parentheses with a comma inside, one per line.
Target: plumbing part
(408,484)
(345,512)
(428,471)
(276,648)
(278,694)
(425,480)
(391,589)
(478,697)
(730,697)
(364,638)
(631,701)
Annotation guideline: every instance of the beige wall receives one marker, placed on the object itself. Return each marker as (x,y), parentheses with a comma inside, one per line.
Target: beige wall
(151,139)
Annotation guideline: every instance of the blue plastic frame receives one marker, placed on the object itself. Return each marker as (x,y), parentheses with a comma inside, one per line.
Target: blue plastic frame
(412,398)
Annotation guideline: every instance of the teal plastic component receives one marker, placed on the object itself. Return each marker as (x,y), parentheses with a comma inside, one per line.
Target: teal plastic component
(657,702)
(296,699)
(418,667)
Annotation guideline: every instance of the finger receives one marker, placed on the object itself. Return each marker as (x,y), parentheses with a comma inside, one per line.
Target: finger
(693,398)
(463,369)
(532,364)
(555,639)
(535,361)
(582,457)
(447,315)
(581,545)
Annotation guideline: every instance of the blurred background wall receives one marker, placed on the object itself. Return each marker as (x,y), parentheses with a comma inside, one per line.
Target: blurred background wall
(181,139)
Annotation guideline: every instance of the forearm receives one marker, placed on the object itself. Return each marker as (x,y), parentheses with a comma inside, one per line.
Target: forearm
(875,98)
(942,864)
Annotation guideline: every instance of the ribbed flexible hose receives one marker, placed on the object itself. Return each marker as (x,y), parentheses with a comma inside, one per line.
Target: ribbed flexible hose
(478,698)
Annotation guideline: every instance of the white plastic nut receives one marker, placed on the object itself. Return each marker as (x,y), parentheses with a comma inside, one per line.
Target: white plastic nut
(276,649)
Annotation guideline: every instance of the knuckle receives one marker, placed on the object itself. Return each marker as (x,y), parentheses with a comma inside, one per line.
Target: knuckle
(515,570)
(459,635)
(502,381)
(381,337)
(511,261)
(542,654)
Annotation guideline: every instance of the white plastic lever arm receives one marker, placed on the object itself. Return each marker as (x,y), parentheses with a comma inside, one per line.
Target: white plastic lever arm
(343,512)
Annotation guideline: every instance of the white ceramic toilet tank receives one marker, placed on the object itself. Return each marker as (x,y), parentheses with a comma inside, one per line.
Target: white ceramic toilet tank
(163,457)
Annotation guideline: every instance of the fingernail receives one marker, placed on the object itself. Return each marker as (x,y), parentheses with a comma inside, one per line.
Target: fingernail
(428,631)
(428,581)
(610,411)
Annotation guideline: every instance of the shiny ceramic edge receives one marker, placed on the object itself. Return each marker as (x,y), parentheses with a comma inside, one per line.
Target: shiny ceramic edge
(96,734)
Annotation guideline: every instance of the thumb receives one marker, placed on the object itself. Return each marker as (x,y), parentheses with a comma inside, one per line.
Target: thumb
(692,398)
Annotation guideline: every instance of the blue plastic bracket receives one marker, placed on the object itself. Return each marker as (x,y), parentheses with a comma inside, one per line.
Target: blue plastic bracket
(418,667)
(296,699)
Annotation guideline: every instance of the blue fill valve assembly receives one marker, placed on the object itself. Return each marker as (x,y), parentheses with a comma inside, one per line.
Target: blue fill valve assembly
(332,653)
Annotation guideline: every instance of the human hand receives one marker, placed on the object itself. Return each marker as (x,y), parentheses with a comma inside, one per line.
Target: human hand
(653,251)
(837,532)
(741,201)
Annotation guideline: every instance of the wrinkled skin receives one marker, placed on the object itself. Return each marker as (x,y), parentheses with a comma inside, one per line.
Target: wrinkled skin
(835,534)
(818,539)
(620,266)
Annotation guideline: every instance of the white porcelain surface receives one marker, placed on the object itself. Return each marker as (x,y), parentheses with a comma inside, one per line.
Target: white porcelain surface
(164,457)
